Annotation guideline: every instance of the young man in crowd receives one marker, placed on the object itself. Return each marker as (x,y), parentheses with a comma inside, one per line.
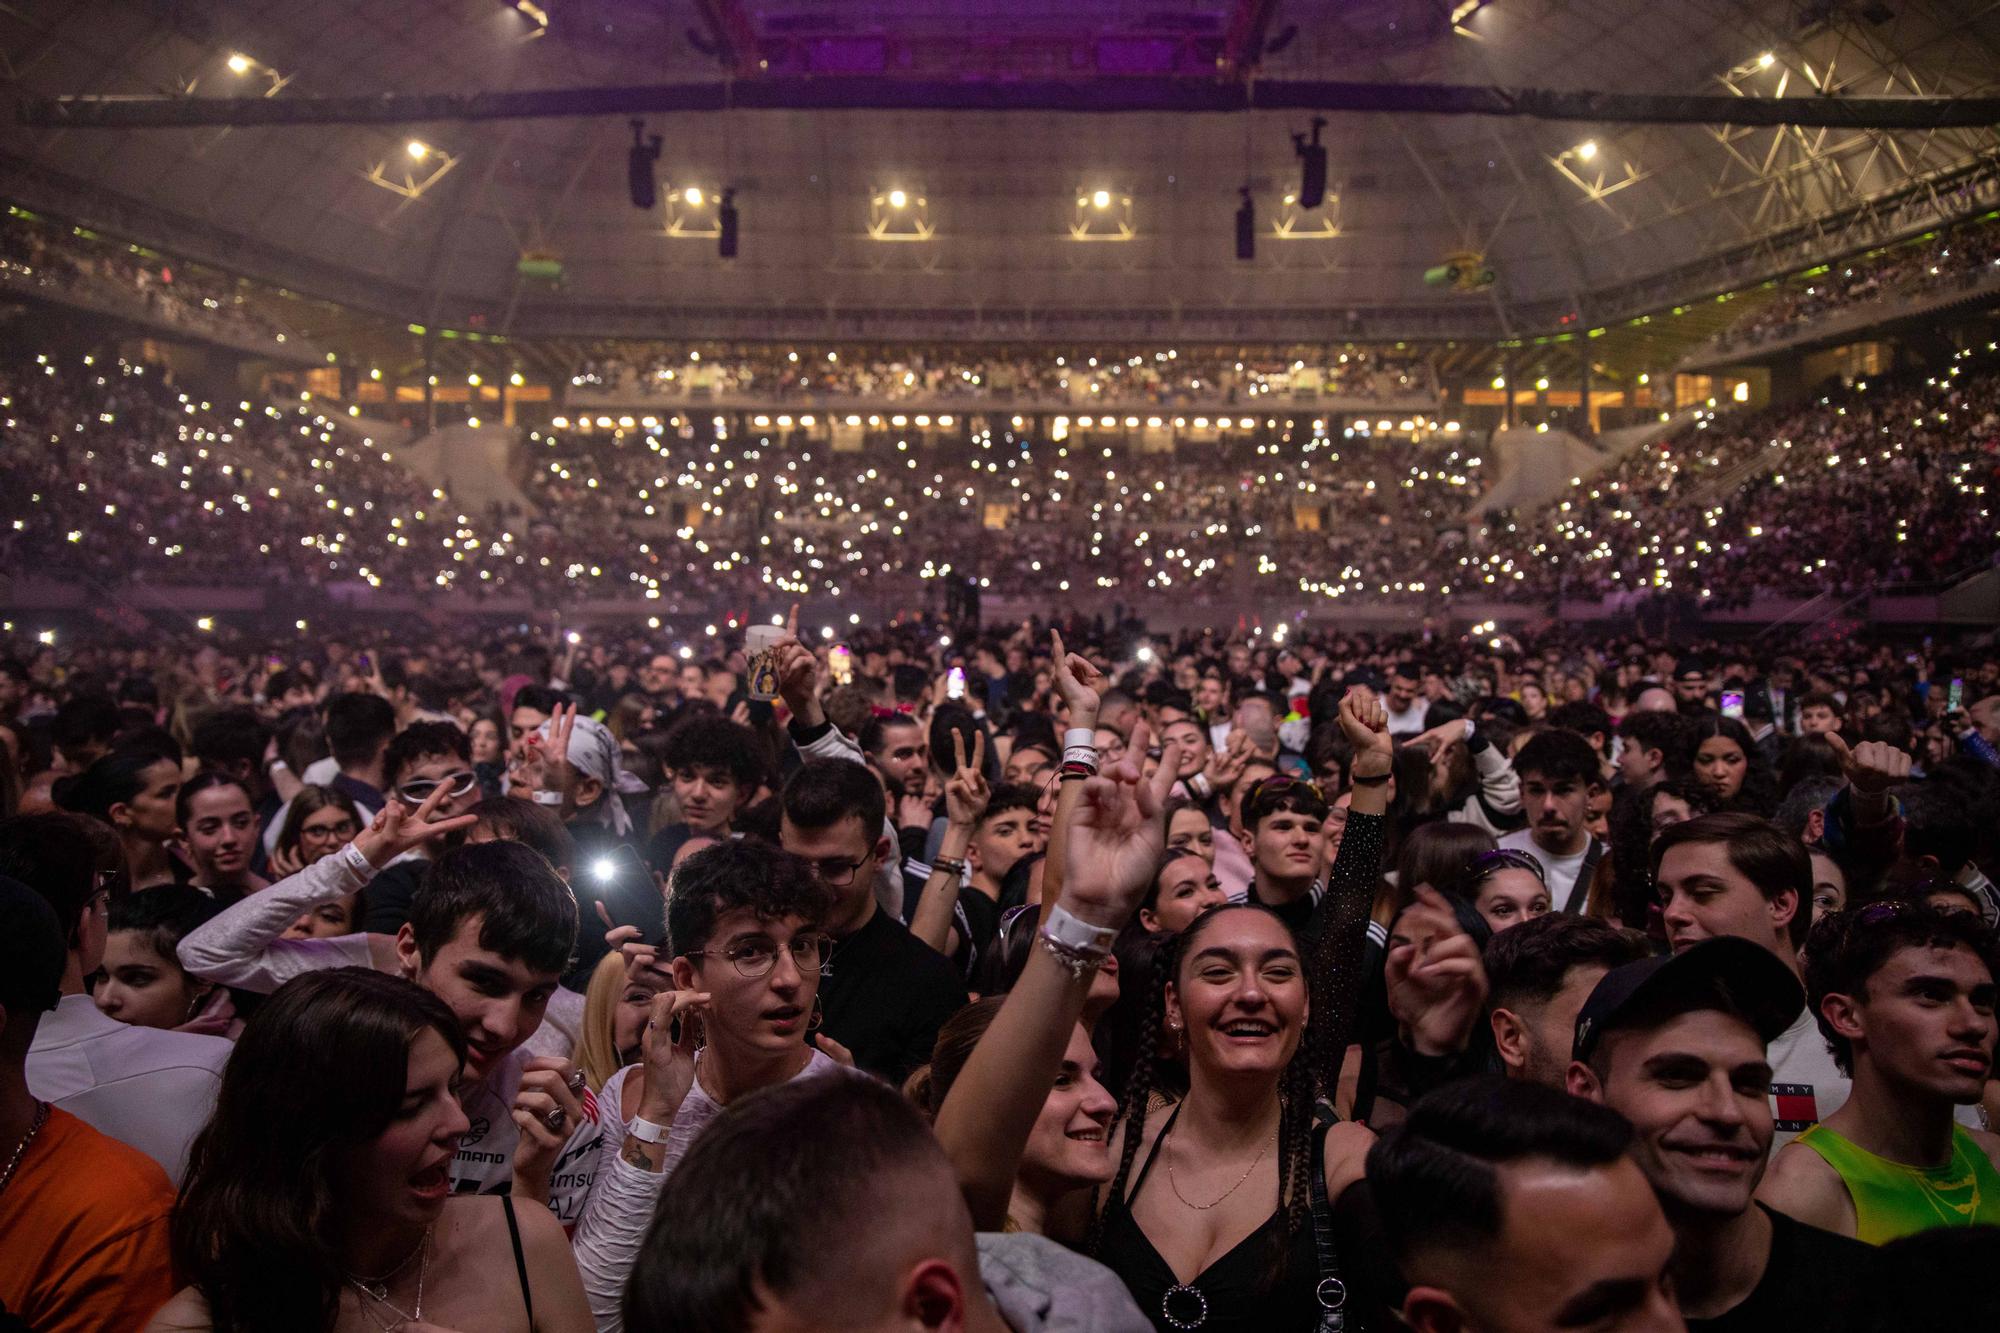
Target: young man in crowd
(1651,746)
(1732,874)
(1406,702)
(491,928)
(884,992)
(1539,974)
(1558,772)
(1475,1187)
(895,747)
(422,758)
(83,1217)
(1283,822)
(1676,1045)
(1819,713)
(144,1087)
(712,764)
(1905,995)
(852,1218)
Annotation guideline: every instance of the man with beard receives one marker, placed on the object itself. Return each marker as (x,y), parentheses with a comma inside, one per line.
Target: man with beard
(1558,771)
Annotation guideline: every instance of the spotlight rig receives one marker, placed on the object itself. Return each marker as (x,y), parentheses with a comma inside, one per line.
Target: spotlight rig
(1312,166)
(639,160)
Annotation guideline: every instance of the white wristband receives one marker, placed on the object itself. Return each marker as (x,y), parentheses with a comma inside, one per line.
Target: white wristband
(1076,736)
(646,1131)
(1072,932)
(548,798)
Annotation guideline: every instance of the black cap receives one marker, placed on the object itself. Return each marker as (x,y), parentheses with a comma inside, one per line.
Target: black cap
(1727,973)
(1690,666)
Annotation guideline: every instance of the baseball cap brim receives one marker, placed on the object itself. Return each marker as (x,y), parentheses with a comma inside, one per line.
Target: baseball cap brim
(1724,973)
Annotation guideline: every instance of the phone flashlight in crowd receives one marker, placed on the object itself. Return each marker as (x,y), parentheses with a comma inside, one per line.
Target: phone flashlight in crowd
(1732,703)
(1145,653)
(955,684)
(841,662)
(1955,700)
(574,638)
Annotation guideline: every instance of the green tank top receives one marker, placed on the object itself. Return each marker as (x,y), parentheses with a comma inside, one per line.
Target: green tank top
(1892,1200)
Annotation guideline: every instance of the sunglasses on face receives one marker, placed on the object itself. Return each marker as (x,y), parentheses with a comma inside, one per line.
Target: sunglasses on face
(418,790)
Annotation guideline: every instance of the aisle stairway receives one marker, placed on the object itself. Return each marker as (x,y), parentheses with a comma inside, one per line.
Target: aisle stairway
(472,463)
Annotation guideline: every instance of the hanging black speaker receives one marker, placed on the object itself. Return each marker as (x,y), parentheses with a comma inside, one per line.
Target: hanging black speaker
(1246,227)
(725,217)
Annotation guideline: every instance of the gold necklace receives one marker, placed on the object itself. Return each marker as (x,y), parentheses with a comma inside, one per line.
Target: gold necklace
(1204,1207)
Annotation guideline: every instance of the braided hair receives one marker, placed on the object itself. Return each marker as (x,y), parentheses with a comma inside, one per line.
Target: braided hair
(1297,1087)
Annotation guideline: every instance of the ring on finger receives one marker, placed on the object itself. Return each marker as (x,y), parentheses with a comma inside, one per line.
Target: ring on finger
(576,1082)
(555,1120)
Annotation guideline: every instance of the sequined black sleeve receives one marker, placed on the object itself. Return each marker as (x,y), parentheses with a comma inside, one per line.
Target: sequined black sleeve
(1333,970)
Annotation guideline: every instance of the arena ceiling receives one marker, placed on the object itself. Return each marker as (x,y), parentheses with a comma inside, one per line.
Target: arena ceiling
(1580,223)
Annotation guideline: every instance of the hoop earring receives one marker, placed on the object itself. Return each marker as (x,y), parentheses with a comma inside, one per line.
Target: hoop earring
(818,1019)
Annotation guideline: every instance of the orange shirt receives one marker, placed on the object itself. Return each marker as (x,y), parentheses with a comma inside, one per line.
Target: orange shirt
(83,1233)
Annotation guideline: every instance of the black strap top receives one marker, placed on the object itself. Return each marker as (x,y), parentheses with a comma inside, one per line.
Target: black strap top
(520,1259)
(1266,1282)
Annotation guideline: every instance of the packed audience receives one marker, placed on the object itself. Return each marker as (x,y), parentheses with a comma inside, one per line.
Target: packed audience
(1878,483)
(72,262)
(1954,257)
(1204,377)
(1882,482)
(1052,977)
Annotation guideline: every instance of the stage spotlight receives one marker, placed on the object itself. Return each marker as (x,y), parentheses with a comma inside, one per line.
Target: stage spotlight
(417,149)
(1587,149)
(897,198)
(1312,166)
(725,217)
(639,160)
(1246,227)
(1101,199)
(239,63)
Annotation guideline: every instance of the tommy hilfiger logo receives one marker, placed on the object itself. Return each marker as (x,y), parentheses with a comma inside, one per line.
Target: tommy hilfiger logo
(1795,1107)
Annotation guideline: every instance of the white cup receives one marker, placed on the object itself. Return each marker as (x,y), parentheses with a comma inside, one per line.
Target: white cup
(763,663)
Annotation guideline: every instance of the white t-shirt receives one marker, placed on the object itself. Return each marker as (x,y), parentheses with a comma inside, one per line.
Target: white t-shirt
(1409,721)
(1806,1085)
(1559,872)
(484,1163)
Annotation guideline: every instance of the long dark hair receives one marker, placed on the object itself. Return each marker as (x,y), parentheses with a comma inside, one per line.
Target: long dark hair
(1759,793)
(1298,1084)
(112,779)
(320,1068)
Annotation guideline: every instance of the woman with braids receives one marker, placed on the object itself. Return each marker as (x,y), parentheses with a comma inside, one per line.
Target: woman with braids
(317,1199)
(1227,1240)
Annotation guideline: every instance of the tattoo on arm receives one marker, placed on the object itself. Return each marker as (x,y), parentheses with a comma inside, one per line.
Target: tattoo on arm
(643,1155)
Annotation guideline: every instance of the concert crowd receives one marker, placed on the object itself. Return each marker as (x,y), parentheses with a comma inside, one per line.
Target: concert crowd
(1052,976)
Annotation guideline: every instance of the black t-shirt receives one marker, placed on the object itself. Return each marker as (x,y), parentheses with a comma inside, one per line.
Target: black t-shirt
(885,995)
(1814,1283)
(386,901)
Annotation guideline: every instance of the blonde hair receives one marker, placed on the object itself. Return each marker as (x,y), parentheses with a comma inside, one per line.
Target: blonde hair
(597,1047)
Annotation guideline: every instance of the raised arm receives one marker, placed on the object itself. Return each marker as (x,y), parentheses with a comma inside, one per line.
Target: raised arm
(1116,837)
(1081,686)
(242,946)
(965,797)
(1334,971)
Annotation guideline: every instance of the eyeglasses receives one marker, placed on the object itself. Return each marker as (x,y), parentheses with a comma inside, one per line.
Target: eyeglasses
(1487,864)
(323,832)
(418,790)
(837,872)
(755,958)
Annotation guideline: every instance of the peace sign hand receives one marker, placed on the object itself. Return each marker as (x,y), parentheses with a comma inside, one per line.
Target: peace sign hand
(397,828)
(965,791)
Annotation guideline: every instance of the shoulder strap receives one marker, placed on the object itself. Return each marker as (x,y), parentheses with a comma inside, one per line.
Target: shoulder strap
(520,1260)
(1331,1292)
(1146,1167)
(1579,892)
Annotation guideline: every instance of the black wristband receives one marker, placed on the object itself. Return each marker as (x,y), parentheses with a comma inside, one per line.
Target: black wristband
(1369,782)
